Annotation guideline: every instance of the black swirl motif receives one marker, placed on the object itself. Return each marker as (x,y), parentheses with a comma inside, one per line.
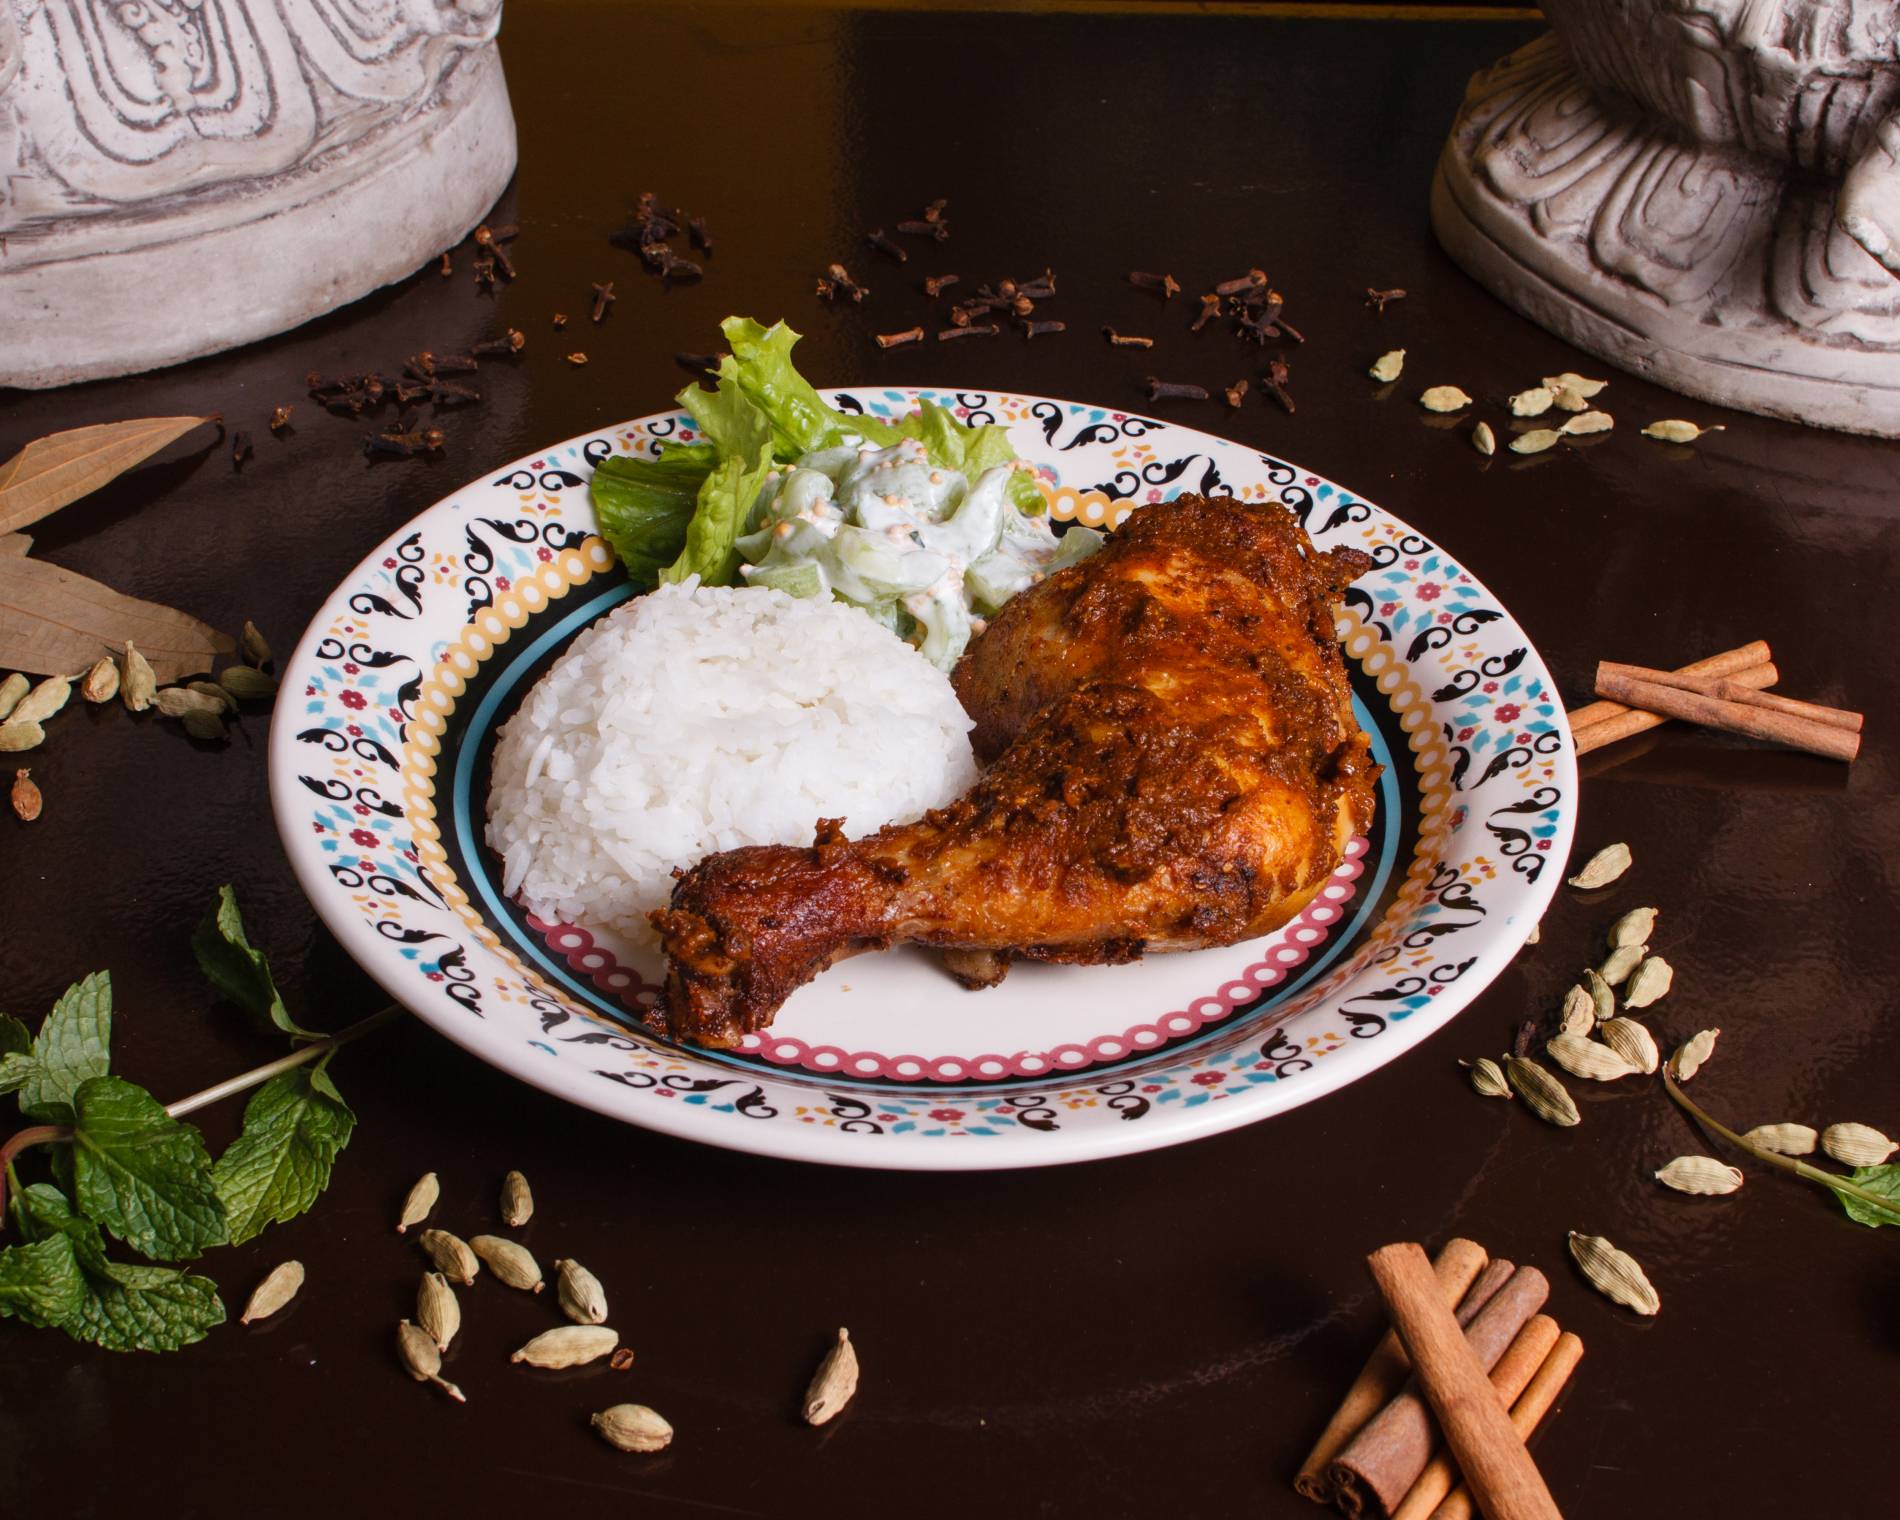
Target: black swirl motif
(595,450)
(975,406)
(1051,416)
(552,480)
(1279,472)
(1464,624)
(1549,742)
(1161,472)
(421,891)
(1519,846)
(1283,1057)
(853,1117)
(752,1104)
(1461,911)
(340,743)
(1031,1110)
(408,581)
(1368,1022)
(1122,1097)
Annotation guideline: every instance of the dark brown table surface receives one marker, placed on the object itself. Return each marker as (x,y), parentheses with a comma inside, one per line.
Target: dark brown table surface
(1160,1333)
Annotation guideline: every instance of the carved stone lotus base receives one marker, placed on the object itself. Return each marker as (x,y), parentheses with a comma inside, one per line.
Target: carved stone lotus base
(250,166)
(1706,266)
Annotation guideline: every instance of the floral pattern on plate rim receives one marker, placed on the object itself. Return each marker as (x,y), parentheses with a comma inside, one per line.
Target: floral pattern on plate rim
(371,684)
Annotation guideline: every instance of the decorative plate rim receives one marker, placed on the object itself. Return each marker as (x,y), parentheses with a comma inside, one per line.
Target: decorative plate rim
(837,1128)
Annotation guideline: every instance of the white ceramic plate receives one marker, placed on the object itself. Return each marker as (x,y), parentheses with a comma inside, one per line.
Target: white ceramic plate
(379,763)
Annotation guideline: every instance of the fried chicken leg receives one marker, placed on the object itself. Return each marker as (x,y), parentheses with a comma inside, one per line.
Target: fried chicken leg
(1172,763)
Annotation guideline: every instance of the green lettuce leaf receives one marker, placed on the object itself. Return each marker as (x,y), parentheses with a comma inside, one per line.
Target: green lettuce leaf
(41,1283)
(644,506)
(141,1174)
(294,1126)
(760,368)
(725,503)
(239,972)
(971,450)
(1881,1180)
(72,1047)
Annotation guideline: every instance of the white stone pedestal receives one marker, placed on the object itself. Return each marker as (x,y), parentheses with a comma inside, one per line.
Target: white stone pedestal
(181,176)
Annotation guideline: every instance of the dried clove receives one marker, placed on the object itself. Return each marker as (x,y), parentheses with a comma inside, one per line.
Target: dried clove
(1167,390)
(673,267)
(1164,283)
(279,419)
(1210,309)
(886,246)
(1237,393)
(1378,298)
(899,339)
(936,284)
(456,364)
(699,234)
(603,298)
(240,449)
(986,330)
(837,281)
(577,358)
(410,392)
(1275,383)
(420,366)
(486,240)
(25,796)
(1040,288)
(510,342)
(448,393)
(935,210)
(1039,329)
(1118,341)
(1253,279)
(484,274)
(447,267)
(939,230)
(427,440)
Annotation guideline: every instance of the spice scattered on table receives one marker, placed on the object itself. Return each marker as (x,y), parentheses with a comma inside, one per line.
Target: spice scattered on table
(1484,440)
(886,245)
(517,1201)
(512,1263)
(1118,341)
(418,1201)
(1702,1176)
(1162,284)
(25,796)
(579,1293)
(451,1255)
(1443,398)
(1614,1273)
(568,1346)
(1378,299)
(1674,430)
(1388,366)
(280,1285)
(438,1310)
(899,339)
(421,1359)
(835,1381)
(633,1427)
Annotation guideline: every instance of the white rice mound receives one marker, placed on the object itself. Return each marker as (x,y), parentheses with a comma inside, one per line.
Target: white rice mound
(697,719)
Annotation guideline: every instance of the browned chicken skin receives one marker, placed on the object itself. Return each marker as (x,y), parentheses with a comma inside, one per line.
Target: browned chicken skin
(1172,763)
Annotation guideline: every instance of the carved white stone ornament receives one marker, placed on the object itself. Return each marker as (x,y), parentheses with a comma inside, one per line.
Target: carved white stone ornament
(1704,192)
(181,176)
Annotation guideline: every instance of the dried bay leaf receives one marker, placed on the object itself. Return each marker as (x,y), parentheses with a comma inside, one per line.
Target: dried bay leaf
(53,622)
(53,471)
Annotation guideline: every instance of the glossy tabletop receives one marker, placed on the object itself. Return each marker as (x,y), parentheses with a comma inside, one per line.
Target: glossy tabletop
(1161,1333)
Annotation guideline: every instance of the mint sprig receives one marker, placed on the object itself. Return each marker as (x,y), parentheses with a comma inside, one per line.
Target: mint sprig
(126,1166)
(293,1129)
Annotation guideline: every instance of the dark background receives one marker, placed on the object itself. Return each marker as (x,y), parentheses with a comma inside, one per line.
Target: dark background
(1161,1332)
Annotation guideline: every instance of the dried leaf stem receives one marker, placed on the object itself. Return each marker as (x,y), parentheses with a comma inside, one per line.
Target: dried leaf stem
(1800,1168)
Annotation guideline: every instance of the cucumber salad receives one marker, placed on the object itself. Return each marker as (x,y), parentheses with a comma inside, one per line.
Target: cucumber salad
(927,524)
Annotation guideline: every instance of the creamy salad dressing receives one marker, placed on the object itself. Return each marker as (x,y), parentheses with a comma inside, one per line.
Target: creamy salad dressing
(923,549)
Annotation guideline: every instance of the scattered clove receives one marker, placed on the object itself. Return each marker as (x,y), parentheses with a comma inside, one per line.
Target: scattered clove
(447,267)
(603,298)
(987,330)
(279,419)
(899,339)
(455,364)
(240,449)
(1166,390)
(1236,393)
(577,358)
(448,393)
(1378,298)
(485,274)
(427,440)
(837,281)
(1253,279)
(1118,341)
(1275,383)
(1164,283)
(939,229)
(1210,309)
(936,284)
(698,234)
(886,246)
(1039,329)
(560,320)
(487,240)
(512,341)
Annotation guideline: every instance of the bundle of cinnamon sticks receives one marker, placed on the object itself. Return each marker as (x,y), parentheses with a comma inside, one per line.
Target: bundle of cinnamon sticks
(1726,692)
(1436,1421)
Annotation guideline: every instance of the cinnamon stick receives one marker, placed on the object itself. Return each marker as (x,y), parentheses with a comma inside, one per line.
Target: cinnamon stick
(1834,717)
(1510,1377)
(1489,1452)
(1731,717)
(1727,663)
(1531,1406)
(1387,1456)
(1629,720)
(1456,1268)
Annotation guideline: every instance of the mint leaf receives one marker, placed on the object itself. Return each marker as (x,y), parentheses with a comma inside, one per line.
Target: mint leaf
(239,972)
(141,1174)
(45,1213)
(72,1047)
(145,1309)
(15,1038)
(293,1129)
(1882,1180)
(41,1283)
